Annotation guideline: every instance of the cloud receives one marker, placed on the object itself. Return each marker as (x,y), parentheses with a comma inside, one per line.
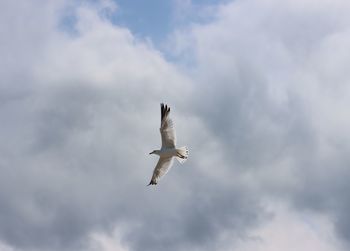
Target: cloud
(262,106)
(289,230)
(75,143)
(273,80)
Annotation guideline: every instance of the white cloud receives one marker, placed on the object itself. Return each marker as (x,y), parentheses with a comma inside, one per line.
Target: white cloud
(275,88)
(106,242)
(263,108)
(5,247)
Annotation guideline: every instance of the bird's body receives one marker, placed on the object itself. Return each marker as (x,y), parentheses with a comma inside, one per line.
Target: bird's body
(168,150)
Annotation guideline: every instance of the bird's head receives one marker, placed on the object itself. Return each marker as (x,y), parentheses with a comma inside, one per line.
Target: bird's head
(154,152)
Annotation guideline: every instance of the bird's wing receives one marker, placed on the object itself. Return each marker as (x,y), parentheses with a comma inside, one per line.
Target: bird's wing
(167,130)
(162,167)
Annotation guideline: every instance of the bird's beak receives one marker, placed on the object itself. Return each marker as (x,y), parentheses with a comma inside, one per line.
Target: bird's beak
(150,152)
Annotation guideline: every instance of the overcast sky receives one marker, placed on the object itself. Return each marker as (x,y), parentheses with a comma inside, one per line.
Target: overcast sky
(259,92)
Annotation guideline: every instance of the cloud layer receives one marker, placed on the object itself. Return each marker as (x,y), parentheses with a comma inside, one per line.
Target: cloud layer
(259,94)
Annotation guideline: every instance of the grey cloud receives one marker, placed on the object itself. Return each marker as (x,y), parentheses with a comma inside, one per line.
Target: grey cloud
(198,223)
(74,150)
(267,99)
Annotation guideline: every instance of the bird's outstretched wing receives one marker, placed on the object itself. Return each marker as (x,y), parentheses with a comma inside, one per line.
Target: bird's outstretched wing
(167,130)
(162,167)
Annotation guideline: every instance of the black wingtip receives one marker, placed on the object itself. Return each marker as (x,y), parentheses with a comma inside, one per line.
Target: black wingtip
(152,183)
(164,110)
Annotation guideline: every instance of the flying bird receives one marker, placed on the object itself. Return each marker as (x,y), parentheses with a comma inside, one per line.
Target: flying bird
(168,150)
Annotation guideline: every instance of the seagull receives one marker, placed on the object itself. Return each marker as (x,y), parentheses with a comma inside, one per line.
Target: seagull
(168,150)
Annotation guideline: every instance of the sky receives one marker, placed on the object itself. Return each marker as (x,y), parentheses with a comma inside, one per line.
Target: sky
(259,92)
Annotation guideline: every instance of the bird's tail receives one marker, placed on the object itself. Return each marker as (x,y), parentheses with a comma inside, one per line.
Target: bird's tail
(182,154)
